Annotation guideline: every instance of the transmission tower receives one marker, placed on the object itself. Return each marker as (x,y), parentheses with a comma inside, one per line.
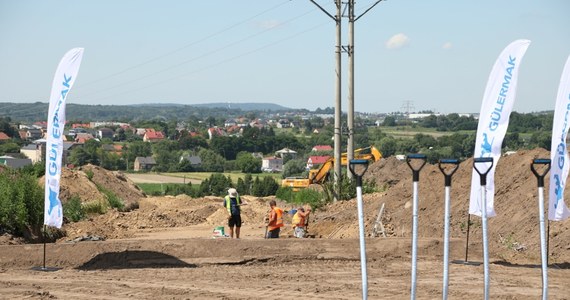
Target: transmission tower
(407,107)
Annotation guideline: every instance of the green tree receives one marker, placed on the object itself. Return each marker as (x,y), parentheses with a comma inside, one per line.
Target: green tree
(90,153)
(216,185)
(6,127)
(167,155)
(388,146)
(294,167)
(136,149)
(211,161)
(269,185)
(257,189)
(389,121)
(188,142)
(9,147)
(247,163)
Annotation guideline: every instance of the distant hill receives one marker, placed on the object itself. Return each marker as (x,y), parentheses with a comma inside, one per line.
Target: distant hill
(37,111)
(244,106)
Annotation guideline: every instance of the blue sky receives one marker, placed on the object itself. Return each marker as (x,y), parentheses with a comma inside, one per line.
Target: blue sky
(435,54)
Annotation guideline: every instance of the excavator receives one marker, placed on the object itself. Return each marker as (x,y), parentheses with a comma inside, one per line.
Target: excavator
(318,176)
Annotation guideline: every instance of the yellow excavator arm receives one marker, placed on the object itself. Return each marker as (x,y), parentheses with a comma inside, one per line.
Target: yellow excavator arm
(318,176)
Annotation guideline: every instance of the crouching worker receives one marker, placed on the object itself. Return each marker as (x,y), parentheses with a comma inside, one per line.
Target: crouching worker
(232,202)
(300,220)
(275,221)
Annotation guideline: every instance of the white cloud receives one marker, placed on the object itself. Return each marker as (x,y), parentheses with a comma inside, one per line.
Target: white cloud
(269,24)
(447,46)
(397,41)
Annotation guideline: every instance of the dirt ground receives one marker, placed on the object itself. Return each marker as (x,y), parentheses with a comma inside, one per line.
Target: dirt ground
(164,247)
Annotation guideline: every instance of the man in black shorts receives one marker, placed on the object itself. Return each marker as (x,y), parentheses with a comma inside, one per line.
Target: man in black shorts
(232,203)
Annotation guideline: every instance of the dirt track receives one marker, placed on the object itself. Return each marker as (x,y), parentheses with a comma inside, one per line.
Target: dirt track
(253,268)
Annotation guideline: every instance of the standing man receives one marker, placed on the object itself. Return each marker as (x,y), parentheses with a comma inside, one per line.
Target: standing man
(232,202)
(300,220)
(275,221)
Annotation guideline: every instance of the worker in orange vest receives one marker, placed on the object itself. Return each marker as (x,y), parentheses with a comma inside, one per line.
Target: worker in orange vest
(300,221)
(275,221)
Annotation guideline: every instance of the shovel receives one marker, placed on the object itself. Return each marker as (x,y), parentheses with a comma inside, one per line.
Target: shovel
(416,178)
(483,178)
(543,249)
(447,173)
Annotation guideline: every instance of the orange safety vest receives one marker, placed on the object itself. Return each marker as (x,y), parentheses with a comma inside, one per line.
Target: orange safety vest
(278,222)
(298,220)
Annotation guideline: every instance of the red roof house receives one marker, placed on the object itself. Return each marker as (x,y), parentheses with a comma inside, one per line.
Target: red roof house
(3,136)
(322,148)
(317,160)
(153,136)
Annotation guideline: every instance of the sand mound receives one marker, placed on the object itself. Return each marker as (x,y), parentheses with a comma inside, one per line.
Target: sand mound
(78,183)
(513,233)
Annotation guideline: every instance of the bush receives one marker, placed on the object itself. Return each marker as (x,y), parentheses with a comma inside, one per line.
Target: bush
(89,174)
(112,198)
(21,202)
(348,188)
(73,209)
(309,196)
(178,189)
(94,207)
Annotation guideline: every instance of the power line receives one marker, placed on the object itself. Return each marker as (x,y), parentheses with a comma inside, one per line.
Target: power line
(183,47)
(216,64)
(200,56)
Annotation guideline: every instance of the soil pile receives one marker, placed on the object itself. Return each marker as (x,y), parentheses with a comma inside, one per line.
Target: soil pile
(87,182)
(513,234)
(158,213)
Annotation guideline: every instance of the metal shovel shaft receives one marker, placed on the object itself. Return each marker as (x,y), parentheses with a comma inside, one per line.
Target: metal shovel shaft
(414,239)
(446,244)
(362,243)
(543,250)
(485,243)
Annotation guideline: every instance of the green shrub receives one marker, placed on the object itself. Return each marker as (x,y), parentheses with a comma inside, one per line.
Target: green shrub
(89,174)
(94,207)
(174,189)
(21,202)
(348,188)
(73,209)
(116,202)
(309,196)
(112,198)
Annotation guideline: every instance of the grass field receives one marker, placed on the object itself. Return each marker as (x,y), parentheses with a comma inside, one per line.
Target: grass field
(234,176)
(159,188)
(409,132)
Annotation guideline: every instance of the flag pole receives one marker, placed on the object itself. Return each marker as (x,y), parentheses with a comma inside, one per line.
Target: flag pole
(44,240)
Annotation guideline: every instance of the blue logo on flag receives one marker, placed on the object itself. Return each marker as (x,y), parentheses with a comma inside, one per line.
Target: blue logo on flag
(486,147)
(53,201)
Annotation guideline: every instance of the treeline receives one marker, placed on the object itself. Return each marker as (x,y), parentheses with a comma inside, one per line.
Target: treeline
(31,112)
(518,123)
(218,184)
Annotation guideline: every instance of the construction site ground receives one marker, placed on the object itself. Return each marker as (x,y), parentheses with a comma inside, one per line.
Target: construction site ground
(165,248)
